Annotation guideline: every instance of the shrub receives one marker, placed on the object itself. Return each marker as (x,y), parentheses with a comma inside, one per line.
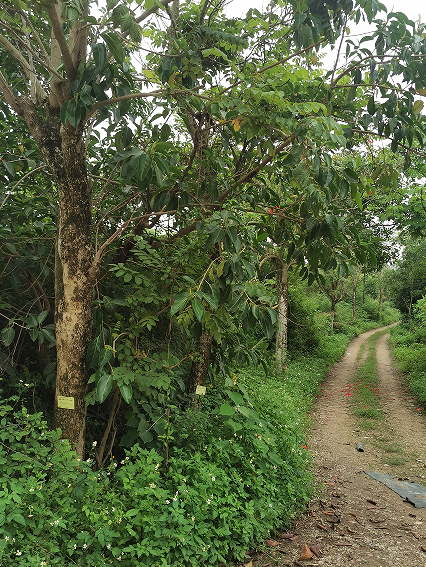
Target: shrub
(198,507)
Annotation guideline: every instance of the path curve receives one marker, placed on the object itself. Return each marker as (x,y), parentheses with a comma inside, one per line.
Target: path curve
(357,521)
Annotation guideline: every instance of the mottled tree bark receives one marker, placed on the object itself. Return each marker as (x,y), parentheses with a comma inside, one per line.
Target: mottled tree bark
(200,364)
(63,150)
(281,341)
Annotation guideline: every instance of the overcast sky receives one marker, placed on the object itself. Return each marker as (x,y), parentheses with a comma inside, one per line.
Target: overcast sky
(412,8)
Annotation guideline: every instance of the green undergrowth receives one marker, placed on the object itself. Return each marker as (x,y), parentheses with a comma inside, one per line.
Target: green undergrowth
(234,474)
(232,470)
(408,343)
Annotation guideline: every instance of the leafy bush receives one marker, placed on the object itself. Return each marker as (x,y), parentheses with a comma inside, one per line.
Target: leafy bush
(409,348)
(197,507)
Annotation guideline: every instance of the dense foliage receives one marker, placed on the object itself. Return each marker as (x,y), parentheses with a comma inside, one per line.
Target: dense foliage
(187,198)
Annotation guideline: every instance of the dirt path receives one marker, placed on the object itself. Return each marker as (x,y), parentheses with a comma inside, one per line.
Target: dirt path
(358,521)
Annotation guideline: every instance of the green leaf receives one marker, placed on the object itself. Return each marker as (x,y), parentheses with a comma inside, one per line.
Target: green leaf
(272,314)
(236,397)
(48,335)
(179,303)
(350,175)
(226,409)
(234,424)
(371,106)
(358,200)
(42,316)
(126,392)
(418,106)
(105,356)
(103,387)
(11,248)
(212,301)
(198,308)
(7,335)
(115,45)
(99,56)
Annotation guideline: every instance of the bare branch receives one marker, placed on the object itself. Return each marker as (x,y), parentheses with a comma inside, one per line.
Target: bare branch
(10,98)
(78,38)
(59,35)
(16,54)
(43,62)
(117,99)
(152,10)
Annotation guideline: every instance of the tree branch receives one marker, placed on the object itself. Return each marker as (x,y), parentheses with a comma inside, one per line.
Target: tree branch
(117,99)
(152,10)
(58,32)
(7,92)
(16,54)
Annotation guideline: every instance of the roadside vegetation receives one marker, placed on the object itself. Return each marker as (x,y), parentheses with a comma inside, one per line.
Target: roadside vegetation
(229,469)
(193,225)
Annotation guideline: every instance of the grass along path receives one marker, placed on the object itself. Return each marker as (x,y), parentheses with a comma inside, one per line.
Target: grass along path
(356,520)
(367,396)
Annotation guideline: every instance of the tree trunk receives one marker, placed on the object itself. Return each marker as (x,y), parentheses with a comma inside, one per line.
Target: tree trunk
(281,342)
(354,315)
(63,150)
(73,291)
(333,311)
(200,364)
(363,289)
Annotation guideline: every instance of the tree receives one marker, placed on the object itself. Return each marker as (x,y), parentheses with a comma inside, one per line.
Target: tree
(68,71)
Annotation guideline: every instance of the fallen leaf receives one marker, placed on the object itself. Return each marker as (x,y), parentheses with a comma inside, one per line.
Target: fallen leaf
(294,538)
(372,501)
(306,552)
(271,542)
(322,527)
(316,549)
(249,564)
(286,536)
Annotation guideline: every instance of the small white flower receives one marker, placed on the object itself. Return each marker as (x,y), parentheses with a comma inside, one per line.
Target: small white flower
(109,546)
(213,478)
(85,546)
(112,509)
(6,538)
(193,518)
(18,552)
(31,489)
(208,501)
(94,443)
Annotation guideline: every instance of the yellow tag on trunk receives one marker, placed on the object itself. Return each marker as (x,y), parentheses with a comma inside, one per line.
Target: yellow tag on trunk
(201,390)
(66,403)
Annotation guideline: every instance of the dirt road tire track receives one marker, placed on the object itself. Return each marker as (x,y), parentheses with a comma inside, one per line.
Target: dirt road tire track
(390,533)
